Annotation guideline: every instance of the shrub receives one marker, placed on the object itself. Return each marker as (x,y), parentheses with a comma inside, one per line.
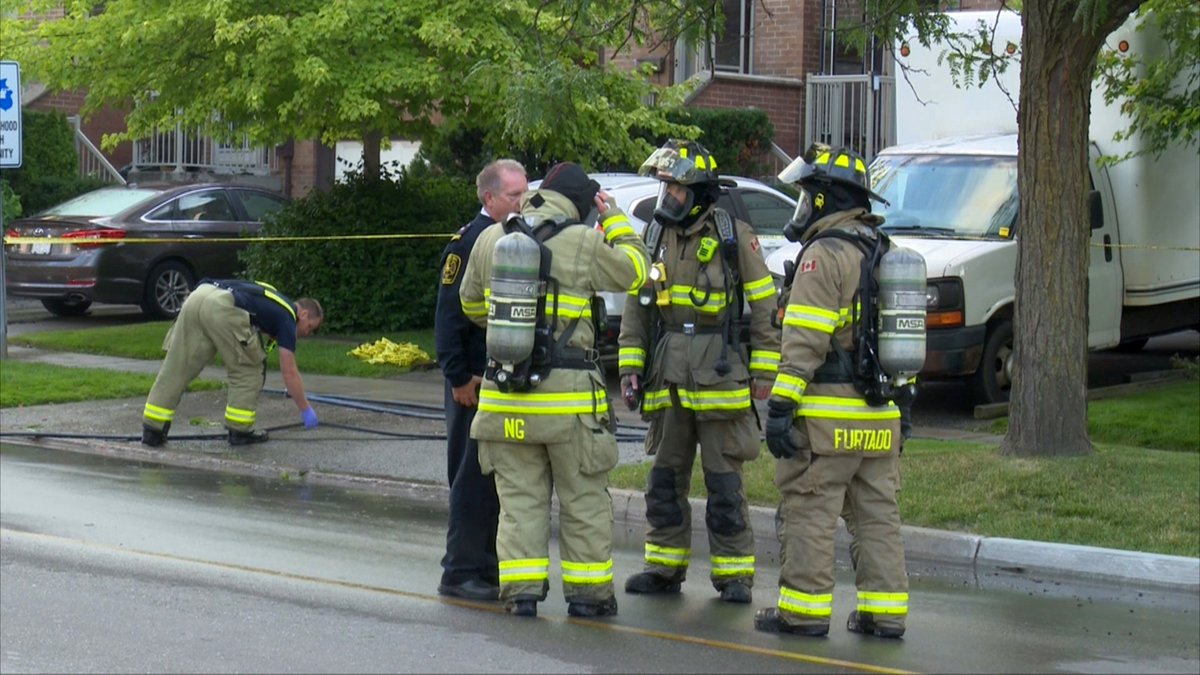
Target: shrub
(49,163)
(366,285)
(10,203)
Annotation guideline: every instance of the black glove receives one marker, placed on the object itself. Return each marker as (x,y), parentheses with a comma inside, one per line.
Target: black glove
(780,415)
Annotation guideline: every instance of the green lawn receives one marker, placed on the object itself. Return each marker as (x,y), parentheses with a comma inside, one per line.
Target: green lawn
(319,354)
(23,383)
(1131,494)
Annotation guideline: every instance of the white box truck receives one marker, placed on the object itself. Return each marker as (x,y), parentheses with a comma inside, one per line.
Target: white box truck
(952,186)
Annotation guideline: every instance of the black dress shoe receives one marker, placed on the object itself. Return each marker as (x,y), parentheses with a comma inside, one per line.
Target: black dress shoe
(155,437)
(768,620)
(592,609)
(471,589)
(246,437)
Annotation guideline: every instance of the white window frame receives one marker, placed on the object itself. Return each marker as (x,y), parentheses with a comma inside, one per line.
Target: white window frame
(691,57)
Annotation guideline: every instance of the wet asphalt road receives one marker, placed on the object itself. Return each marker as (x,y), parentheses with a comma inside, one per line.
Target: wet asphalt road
(109,565)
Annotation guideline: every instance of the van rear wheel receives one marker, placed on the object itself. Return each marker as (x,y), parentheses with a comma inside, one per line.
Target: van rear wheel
(992,382)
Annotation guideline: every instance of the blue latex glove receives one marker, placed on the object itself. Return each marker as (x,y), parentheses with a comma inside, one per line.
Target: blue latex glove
(779,429)
(310,418)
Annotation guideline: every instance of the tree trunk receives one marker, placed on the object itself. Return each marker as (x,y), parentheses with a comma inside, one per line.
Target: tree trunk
(1048,401)
(370,154)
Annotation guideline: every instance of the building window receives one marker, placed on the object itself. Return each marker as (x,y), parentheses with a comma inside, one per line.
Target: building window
(729,53)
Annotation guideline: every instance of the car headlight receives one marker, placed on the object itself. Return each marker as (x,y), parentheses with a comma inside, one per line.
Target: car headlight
(944,303)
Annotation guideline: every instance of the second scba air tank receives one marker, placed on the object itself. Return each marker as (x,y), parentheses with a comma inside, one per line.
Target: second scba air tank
(512,306)
(902,306)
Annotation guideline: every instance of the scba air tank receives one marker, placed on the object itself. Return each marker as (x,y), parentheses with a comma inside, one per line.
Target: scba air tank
(902,312)
(512,310)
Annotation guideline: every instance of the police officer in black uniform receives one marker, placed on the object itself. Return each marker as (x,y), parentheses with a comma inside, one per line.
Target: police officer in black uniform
(470,568)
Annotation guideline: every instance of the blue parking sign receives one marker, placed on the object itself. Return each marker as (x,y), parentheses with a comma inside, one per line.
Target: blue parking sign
(10,115)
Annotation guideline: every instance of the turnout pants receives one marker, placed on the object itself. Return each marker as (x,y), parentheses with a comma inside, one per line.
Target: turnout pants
(577,470)
(474,508)
(209,323)
(815,489)
(724,446)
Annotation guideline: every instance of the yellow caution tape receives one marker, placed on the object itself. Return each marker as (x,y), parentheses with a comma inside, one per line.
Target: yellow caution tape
(13,241)
(384,350)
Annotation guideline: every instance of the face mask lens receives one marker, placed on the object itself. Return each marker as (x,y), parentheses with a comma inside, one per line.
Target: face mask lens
(669,207)
(800,218)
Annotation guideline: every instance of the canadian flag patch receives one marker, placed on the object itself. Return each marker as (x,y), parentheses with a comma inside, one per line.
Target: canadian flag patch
(808,266)
(754,244)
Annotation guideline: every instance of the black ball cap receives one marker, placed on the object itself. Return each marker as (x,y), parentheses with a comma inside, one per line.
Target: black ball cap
(571,181)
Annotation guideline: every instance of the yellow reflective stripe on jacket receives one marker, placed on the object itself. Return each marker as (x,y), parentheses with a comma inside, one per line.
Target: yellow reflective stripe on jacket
(845,408)
(279,299)
(569,306)
(883,603)
(759,289)
(479,308)
(666,556)
(639,266)
(789,387)
(158,414)
(764,360)
(239,416)
(631,357)
(714,301)
(723,399)
(524,569)
(562,403)
(587,573)
(795,602)
(808,316)
(725,566)
(616,225)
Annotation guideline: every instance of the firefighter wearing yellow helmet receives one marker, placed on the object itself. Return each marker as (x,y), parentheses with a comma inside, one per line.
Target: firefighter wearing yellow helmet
(836,435)
(682,357)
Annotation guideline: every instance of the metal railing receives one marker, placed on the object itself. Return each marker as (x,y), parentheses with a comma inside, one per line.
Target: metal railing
(856,111)
(181,151)
(92,162)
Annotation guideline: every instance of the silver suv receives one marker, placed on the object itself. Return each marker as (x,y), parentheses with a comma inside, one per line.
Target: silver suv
(766,209)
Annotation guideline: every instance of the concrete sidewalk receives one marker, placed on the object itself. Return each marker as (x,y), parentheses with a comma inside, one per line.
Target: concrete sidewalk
(362,447)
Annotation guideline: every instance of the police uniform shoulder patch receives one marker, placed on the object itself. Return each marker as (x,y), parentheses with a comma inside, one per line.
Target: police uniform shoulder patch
(451,269)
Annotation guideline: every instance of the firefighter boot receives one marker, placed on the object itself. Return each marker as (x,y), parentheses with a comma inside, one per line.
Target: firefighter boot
(246,437)
(864,622)
(651,583)
(155,437)
(768,620)
(592,609)
(522,605)
(736,591)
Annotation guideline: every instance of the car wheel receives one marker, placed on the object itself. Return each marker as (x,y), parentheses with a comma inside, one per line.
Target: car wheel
(992,382)
(166,288)
(60,307)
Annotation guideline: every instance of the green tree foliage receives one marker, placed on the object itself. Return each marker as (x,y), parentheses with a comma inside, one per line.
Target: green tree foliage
(49,171)
(369,284)
(1159,92)
(527,71)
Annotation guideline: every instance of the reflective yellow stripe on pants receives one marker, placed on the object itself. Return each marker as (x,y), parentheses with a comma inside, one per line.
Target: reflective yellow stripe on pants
(587,573)
(525,569)
(732,566)
(667,557)
(804,604)
(883,603)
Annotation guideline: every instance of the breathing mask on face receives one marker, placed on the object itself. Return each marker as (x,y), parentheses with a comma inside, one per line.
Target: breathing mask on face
(675,202)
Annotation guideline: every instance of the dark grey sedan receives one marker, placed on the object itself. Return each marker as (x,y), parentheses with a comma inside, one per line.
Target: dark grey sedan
(104,261)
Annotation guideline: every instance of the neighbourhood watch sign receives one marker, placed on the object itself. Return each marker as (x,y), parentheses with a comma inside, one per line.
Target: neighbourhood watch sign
(10,115)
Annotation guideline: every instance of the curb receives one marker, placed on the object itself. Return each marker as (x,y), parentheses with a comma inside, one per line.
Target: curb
(975,556)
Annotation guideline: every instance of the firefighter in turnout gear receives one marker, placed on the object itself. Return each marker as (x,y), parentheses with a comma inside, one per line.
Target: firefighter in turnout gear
(554,430)
(835,448)
(681,356)
(230,317)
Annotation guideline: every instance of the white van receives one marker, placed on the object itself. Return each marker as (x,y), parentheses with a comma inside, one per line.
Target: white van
(953,199)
